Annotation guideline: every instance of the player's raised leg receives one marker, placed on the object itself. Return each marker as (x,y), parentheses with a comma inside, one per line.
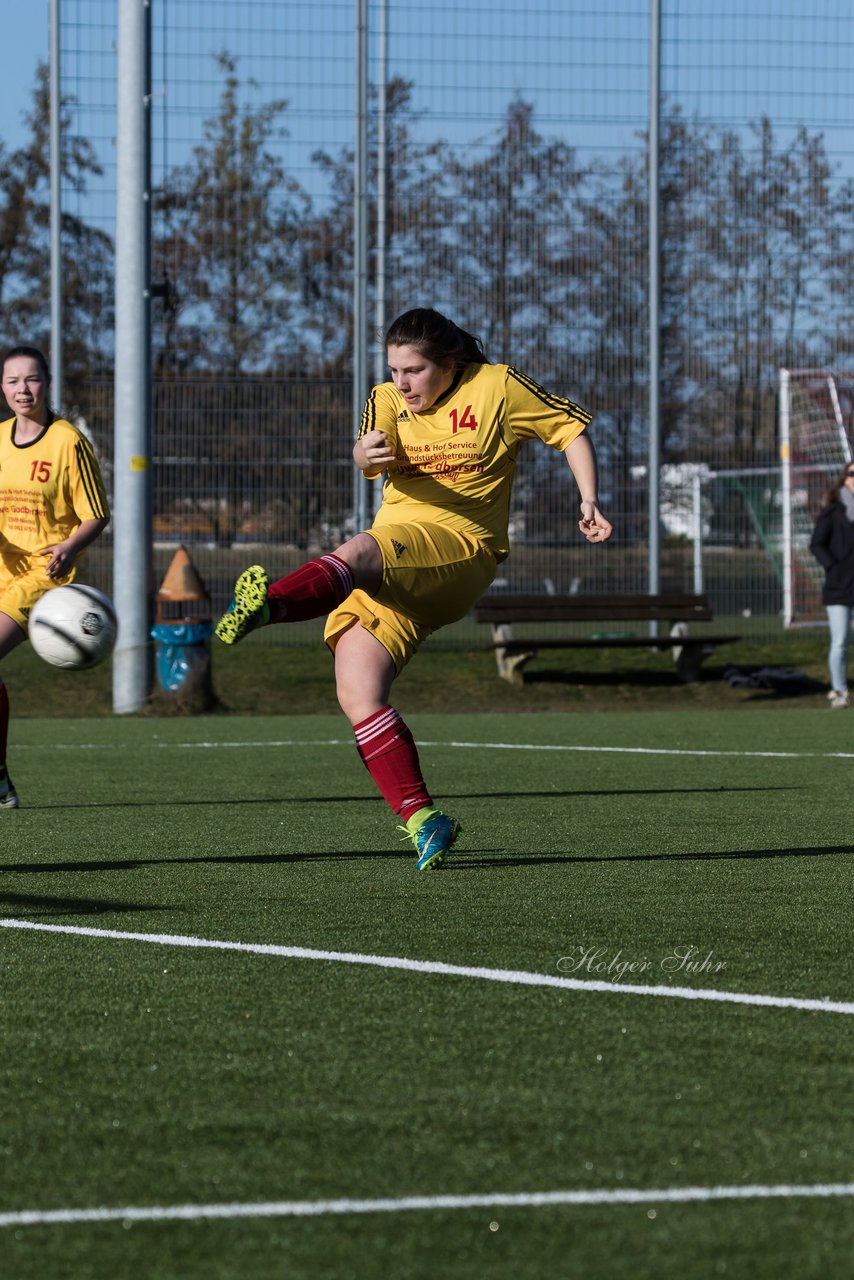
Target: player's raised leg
(311,591)
(248,608)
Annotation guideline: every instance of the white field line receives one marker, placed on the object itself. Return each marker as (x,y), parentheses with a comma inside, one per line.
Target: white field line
(520,1200)
(305,1208)
(464,746)
(513,977)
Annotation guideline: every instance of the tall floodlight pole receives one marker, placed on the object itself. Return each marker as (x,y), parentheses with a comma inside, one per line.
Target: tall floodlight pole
(382,196)
(654,302)
(360,248)
(56,335)
(132,567)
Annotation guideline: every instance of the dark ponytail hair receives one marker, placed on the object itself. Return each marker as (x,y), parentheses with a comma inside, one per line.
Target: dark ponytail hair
(436,337)
(832,494)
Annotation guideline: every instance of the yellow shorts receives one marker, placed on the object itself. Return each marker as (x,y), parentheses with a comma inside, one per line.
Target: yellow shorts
(23,581)
(432,575)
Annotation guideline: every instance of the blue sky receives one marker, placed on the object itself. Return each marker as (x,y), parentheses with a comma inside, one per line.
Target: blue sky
(582,63)
(25,36)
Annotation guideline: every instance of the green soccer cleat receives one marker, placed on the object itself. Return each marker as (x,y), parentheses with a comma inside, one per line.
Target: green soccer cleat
(249,608)
(433,837)
(8,794)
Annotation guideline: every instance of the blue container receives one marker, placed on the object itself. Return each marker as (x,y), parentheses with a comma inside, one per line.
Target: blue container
(182,649)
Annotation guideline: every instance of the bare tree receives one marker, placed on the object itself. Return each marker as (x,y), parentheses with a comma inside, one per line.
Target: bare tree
(25,246)
(224,244)
(413,223)
(509,232)
(771,233)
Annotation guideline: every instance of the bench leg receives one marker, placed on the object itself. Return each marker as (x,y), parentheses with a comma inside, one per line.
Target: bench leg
(510,663)
(688,662)
(689,655)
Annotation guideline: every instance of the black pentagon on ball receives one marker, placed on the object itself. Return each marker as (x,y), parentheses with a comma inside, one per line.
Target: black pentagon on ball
(91,624)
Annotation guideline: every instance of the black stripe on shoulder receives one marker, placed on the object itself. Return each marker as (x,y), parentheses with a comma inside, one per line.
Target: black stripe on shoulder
(90,478)
(549,398)
(369,415)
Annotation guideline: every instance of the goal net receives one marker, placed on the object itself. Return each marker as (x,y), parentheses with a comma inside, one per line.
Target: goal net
(816,413)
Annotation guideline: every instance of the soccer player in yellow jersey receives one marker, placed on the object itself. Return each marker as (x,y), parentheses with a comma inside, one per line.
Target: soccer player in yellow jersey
(445,432)
(52,505)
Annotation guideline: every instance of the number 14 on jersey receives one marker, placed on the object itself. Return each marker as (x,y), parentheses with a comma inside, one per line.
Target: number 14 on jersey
(468,422)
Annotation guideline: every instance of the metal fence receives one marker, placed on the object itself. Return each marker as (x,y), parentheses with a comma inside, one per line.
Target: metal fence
(507,184)
(260,469)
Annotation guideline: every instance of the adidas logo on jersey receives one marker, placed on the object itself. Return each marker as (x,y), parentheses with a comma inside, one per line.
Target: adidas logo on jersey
(399,548)
(403,417)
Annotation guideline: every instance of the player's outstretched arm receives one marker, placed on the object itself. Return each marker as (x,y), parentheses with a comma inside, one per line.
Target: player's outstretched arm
(581,457)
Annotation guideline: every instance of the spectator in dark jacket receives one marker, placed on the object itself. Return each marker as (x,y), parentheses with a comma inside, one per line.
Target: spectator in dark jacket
(832,545)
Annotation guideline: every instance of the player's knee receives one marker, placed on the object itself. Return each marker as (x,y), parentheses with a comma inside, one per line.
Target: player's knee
(359,695)
(356,704)
(365,560)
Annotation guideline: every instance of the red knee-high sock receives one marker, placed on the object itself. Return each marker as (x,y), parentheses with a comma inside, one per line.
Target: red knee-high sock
(4,723)
(389,754)
(310,591)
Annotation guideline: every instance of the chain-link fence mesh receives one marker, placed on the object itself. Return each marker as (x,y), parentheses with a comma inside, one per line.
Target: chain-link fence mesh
(510,145)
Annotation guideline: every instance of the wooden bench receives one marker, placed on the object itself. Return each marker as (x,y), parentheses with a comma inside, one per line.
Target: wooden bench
(504,610)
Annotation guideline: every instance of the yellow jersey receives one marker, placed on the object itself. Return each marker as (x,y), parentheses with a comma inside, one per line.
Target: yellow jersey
(47,487)
(455,463)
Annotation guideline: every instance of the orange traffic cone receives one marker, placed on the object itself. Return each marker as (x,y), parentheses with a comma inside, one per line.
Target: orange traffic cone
(182,594)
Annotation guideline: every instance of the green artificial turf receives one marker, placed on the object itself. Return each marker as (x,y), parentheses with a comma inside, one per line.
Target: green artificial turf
(704,851)
(259,677)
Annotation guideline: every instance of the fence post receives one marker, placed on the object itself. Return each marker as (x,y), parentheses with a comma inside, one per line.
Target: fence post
(785,428)
(132,484)
(697,488)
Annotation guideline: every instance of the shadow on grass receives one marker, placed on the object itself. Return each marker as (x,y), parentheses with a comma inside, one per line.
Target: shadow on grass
(615,678)
(36,904)
(460,860)
(611,679)
(466,862)
(503,793)
(134,864)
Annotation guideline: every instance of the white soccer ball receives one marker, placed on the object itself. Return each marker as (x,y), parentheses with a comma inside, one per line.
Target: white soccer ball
(73,626)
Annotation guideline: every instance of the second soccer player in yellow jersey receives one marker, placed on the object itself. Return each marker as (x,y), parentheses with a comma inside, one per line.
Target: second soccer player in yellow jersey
(52,506)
